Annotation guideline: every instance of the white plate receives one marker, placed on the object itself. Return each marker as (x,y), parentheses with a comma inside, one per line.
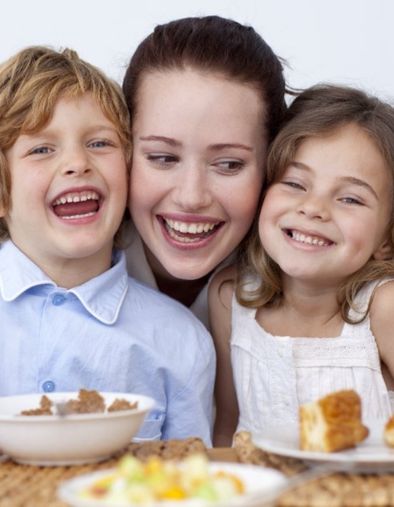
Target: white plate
(371,455)
(261,486)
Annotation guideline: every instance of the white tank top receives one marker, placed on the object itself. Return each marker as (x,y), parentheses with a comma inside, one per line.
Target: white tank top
(273,375)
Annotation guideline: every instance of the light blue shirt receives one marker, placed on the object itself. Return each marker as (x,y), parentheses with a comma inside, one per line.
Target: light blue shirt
(111,334)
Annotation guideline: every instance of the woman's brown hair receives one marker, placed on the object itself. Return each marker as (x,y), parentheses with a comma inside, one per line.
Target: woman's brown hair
(211,44)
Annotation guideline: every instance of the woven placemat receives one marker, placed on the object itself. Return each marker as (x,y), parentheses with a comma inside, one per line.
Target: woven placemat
(337,490)
(31,486)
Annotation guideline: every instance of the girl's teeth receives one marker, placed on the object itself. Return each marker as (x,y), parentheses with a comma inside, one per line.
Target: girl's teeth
(309,240)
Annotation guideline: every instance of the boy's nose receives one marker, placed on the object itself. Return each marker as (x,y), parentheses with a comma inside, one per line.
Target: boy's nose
(75,163)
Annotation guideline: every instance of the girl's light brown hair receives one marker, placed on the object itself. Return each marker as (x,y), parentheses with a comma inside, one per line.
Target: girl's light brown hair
(318,111)
(31,83)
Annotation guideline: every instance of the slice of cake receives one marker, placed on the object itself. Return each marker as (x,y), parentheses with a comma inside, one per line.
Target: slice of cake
(388,433)
(332,423)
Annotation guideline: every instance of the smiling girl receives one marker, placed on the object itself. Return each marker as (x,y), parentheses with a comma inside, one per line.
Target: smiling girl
(310,309)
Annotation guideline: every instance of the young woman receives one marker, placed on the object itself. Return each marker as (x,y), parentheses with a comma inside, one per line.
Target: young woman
(206,97)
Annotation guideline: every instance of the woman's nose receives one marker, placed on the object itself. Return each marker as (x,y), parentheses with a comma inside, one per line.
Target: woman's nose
(192,191)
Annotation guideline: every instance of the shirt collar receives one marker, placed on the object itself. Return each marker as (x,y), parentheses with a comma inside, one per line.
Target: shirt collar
(101,296)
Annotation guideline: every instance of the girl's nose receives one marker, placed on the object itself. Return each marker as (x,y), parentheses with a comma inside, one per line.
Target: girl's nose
(314,208)
(192,191)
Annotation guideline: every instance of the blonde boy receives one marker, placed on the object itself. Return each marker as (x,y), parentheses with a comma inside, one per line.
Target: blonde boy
(70,315)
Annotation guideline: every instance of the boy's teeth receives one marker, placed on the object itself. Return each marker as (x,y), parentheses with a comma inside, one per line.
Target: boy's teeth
(77,197)
(309,240)
(189,228)
(70,217)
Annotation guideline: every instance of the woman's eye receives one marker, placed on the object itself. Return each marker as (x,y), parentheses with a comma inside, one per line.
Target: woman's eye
(162,159)
(229,166)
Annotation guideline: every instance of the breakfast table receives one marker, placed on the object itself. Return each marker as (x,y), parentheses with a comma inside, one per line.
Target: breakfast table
(33,486)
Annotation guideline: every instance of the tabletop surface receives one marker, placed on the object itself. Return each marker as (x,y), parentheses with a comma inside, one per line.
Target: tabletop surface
(31,486)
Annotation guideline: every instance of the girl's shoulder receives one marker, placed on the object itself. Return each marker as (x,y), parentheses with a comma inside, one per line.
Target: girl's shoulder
(381,311)
(222,286)
(382,324)
(382,302)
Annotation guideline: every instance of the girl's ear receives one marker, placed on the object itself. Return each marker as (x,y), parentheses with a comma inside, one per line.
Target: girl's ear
(384,252)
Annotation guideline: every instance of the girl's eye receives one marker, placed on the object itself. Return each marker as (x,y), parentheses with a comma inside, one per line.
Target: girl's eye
(229,166)
(351,200)
(293,184)
(162,159)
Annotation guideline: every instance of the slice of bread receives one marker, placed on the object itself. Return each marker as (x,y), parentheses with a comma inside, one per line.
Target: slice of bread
(388,433)
(332,423)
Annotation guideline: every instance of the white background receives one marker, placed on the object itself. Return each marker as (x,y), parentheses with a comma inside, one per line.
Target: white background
(343,41)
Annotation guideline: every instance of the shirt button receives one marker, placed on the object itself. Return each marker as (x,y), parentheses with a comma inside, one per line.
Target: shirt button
(48,386)
(58,299)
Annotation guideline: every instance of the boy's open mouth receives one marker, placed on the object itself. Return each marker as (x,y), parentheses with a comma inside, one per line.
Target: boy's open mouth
(72,205)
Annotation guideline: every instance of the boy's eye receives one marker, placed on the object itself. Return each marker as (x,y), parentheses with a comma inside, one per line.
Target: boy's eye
(40,150)
(100,143)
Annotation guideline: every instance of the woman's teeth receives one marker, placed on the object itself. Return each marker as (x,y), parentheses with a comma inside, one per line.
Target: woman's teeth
(183,231)
(189,228)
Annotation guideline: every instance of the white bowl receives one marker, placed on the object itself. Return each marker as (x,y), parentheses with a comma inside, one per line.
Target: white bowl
(262,486)
(67,440)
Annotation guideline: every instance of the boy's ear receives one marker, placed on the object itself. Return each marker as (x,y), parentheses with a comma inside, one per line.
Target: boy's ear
(2,210)
(384,252)
(3,207)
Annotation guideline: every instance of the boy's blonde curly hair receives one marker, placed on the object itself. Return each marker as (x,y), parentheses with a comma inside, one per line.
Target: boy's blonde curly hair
(31,83)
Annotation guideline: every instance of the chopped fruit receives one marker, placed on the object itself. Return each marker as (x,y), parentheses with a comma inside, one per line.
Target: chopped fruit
(163,481)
